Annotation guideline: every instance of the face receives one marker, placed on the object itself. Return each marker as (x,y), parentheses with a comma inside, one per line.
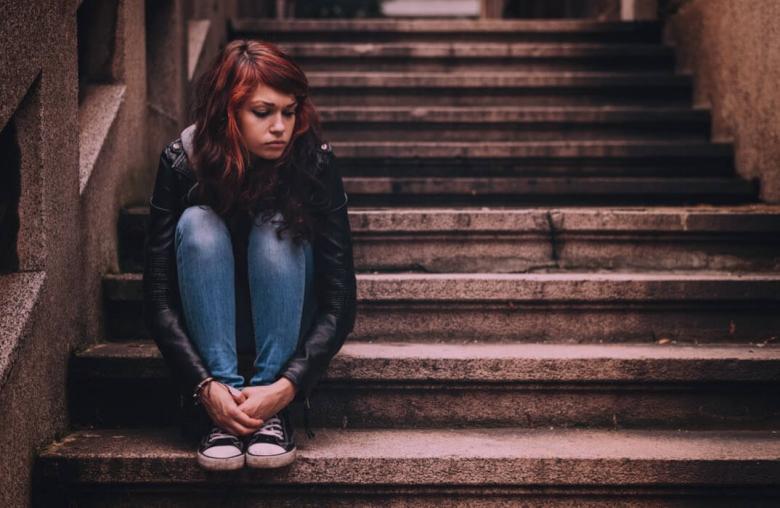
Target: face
(267,120)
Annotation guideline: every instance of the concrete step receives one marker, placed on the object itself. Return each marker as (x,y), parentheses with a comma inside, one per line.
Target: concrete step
(500,89)
(578,152)
(438,30)
(534,158)
(525,191)
(535,307)
(519,124)
(485,467)
(737,238)
(406,385)
(453,56)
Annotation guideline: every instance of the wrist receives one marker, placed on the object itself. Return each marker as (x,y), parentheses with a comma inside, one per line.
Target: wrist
(286,388)
(198,391)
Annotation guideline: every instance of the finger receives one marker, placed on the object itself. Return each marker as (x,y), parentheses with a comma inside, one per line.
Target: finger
(246,420)
(238,395)
(236,428)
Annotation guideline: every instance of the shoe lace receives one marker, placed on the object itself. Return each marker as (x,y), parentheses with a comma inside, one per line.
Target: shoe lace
(217,433)
(272,427)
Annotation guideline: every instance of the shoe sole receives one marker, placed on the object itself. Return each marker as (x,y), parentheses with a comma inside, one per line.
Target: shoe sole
(270,461)
(214,464)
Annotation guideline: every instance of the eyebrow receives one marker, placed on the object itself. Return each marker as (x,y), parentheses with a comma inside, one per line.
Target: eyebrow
(256,103)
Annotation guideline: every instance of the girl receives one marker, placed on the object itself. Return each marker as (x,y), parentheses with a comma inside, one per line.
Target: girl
(248,207)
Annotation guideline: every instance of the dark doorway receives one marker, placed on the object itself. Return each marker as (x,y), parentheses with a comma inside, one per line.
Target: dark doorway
(10,190)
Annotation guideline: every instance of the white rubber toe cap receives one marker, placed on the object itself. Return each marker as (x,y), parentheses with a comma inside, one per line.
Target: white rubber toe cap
(265,449)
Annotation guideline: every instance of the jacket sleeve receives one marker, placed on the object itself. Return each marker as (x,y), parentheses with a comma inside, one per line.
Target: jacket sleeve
(335,287)
(163,317)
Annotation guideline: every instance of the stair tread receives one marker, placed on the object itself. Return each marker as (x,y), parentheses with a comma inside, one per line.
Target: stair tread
(683,219)
(563,286)
(436,25)
(488,362)
(482,114)
(519,149)
(462,79)
(466,50)
(551,276)
(508,456)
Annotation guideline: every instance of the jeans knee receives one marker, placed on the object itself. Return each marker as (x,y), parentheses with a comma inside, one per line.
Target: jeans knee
(200,229)
(266,245)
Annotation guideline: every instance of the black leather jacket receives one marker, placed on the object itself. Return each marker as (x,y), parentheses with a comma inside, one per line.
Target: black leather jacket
(334,278)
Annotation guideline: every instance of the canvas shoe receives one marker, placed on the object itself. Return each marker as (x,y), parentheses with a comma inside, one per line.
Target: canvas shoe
(220,450)
(271,445)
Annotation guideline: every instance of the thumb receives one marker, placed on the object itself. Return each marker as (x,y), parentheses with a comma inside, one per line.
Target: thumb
(238,395)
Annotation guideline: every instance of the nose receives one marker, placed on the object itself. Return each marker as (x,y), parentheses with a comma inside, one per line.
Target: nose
(277,127)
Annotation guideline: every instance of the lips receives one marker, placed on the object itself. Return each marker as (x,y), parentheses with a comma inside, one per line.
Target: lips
(276,143)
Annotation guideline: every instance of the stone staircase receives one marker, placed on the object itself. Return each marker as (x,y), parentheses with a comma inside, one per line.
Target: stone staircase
(521,340)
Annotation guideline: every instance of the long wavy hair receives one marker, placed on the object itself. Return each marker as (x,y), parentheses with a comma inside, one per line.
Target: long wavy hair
(222,161)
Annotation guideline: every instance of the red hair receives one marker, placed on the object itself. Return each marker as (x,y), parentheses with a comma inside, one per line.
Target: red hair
(221,157)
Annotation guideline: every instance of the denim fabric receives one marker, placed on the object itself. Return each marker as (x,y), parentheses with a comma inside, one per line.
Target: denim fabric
(279,274)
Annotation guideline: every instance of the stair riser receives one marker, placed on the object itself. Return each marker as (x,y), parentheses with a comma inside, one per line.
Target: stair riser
(651,36)
(522,199)
(489,253)
(525,191)
(104,403)
(122,496)
(578,323)
(531,240)
(398,165)
(660,480)
(509,321)
(564,131)
(540,97)
(581,64)
(527,253)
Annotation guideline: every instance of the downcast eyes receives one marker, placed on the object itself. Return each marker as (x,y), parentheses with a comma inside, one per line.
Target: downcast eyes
(263,114)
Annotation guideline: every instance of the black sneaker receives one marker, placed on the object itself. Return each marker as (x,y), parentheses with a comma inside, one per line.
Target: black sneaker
(220,451)
(271,445)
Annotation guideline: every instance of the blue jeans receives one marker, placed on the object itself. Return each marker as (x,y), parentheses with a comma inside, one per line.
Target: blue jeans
(279,275)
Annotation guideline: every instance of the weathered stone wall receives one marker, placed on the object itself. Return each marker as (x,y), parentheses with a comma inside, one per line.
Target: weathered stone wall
(38,311)
(76,95)
(733,50)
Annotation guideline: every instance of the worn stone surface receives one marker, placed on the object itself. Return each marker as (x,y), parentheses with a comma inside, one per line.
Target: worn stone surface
(520,150)
(733,51)
(381,30)
(472,340)
(450,57)
(485,457)
(528,190)
(501,123)
(504,88)
(535,239)
(407,50)
(554,307)
(501,363)
(404,385)
(492,80)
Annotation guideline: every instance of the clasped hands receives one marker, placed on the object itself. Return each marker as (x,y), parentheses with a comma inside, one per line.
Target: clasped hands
(241,412)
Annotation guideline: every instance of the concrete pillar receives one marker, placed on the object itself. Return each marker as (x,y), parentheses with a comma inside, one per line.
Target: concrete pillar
(638,10)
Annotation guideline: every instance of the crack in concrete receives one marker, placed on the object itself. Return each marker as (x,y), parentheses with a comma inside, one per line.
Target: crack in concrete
(553,234)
